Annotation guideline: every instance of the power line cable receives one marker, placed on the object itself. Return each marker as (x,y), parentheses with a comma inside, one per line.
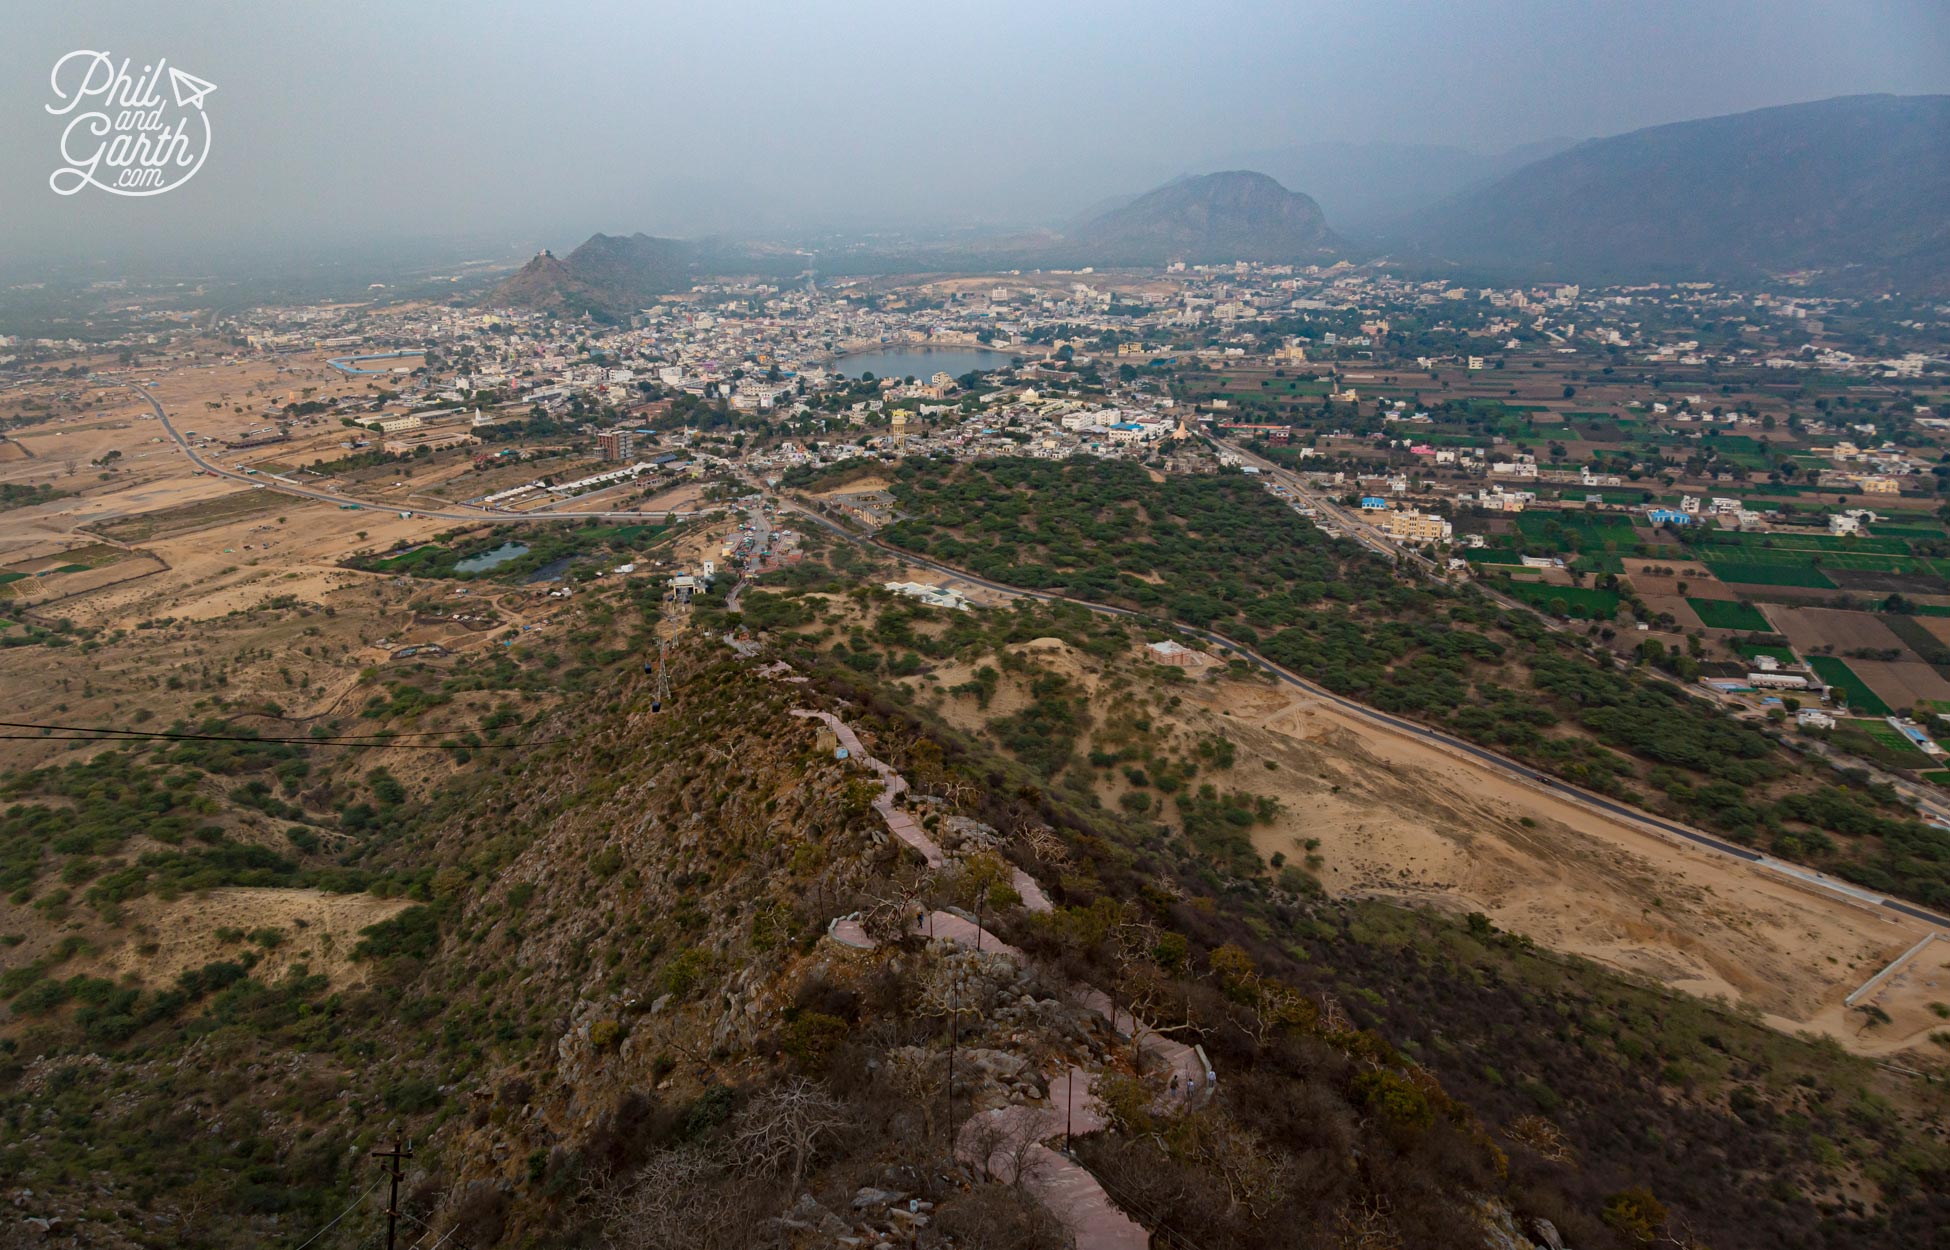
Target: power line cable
(184,733)
(341,1215)
(431,1230)
(110,734)
(403,746)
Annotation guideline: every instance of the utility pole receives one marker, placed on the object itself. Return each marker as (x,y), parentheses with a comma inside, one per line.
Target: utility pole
(954,1013)
(393,1158)
(1069,1105)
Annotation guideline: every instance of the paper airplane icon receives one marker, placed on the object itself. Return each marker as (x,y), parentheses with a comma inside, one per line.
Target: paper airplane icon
(189,89)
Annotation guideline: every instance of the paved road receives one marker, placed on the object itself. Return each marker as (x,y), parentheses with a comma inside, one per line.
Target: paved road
(332,497)
(1501,763)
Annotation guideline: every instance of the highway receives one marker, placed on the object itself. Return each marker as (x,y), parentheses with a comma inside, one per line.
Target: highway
(346,501)
(1521,772)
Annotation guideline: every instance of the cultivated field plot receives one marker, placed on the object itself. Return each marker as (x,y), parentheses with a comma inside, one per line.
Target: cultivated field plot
(1728,614)
(190,517)
(1748,574)
(1838,674)
(1920,638)
(1887,736)
(1681,610)
(1592,532)
(1865,568)
(1813,630)
(1938,627)
(1889,583)
(1808,542)
(1902,684)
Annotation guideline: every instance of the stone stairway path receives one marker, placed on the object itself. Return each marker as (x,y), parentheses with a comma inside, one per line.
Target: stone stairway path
(1007,1144)
(1011,1140)
(892,785)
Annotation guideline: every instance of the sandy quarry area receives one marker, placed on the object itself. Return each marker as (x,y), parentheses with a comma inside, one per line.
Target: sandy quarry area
(1403,819)
(858,486)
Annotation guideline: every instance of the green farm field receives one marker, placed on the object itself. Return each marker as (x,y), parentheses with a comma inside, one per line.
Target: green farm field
(1727,614)
(1839,675)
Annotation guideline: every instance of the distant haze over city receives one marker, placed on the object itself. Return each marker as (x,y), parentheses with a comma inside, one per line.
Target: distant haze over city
(503,128)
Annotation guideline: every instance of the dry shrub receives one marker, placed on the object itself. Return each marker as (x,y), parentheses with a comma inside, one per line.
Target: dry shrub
(998,1217)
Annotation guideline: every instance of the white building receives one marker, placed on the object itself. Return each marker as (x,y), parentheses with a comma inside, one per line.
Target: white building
(933,596)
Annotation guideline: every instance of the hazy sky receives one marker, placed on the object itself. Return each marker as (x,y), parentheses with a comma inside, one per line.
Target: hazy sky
(542,122)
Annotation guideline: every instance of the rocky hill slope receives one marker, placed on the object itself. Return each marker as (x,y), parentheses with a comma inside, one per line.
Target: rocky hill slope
(609,276)
(1211,218)
(795,961)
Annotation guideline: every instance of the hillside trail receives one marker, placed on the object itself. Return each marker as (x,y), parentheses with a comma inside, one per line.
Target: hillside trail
(1009,1143)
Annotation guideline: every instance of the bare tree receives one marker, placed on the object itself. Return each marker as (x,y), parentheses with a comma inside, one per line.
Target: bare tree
(959,793)
(783,1126)
(917,1075)
(1149,992)
(1023,1154)
(981,1139)
(1042,842)
(1275,1005)
(1368,1224)
(1004,1143)
(1333,1016)
(1541,1136)
(1255,1177)
(674,1202)
(891,917)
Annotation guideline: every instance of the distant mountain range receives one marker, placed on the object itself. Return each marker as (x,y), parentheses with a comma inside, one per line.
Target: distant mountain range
(1210,218)
(1854,188)
(1857,188)
(1369,186)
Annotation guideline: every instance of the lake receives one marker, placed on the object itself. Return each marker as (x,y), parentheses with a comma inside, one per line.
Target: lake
(491,559)
(921,362)
(549,572)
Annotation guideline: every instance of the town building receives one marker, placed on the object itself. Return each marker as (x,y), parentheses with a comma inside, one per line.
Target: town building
(933,596)
(1175,654)
(616,446)
(1410,526)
